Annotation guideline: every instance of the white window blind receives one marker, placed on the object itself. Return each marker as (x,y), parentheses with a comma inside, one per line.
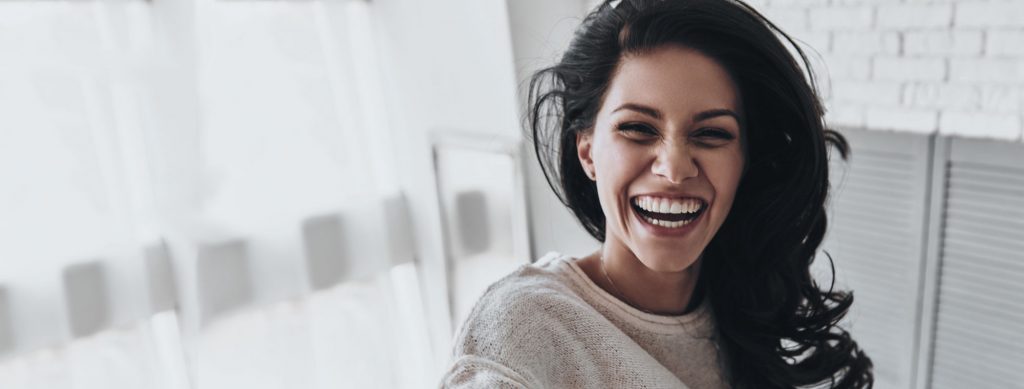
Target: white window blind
(978,337)
(876,238)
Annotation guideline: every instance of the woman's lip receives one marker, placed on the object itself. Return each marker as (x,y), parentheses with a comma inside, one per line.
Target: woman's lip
(667,231)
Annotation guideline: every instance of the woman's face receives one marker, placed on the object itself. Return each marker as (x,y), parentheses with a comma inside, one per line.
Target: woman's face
(666,155)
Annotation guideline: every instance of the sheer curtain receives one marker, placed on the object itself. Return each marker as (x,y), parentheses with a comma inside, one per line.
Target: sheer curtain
(180,125)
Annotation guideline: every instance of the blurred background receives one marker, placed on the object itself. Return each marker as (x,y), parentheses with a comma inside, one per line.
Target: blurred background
(313,193)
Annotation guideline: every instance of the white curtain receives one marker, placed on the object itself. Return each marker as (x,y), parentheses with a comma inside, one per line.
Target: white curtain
(127,123)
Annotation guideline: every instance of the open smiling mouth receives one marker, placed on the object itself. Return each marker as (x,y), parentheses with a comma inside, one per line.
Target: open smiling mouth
(666,212)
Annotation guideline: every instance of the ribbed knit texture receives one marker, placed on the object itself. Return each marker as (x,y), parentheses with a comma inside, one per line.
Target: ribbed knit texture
(547,325)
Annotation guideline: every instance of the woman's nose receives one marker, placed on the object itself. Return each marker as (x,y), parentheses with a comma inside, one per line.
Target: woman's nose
(675,163)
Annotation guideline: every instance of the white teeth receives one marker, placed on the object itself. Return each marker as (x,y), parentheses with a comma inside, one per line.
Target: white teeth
(667,224)
(668,205)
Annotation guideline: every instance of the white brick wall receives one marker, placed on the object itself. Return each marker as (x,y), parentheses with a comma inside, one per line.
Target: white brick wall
(927,66)
(1004,126)
(941,96)
(866,43)
(909,69)
(841,18)
(914,16)
(989,14)
(943,43)
(1009,43)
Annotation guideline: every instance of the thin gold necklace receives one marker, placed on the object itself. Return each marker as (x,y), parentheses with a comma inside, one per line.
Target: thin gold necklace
(619,292)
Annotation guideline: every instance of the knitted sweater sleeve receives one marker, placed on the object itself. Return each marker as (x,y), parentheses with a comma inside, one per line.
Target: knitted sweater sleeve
(471,371)
(508,340)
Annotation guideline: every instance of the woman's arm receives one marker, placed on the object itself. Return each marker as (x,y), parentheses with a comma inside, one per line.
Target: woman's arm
(471,371)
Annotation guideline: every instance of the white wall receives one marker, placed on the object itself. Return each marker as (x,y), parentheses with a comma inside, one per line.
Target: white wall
(541,30)
(925,66)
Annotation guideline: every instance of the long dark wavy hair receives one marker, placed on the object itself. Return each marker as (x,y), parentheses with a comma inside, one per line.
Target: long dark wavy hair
(777,327)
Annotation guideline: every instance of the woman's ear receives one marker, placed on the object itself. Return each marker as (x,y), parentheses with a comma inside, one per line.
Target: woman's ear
(584,141)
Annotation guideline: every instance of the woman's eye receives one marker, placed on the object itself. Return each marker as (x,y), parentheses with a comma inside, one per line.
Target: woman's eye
(714,134)
(638,130)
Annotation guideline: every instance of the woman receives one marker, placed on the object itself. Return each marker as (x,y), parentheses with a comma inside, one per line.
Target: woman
(684,136)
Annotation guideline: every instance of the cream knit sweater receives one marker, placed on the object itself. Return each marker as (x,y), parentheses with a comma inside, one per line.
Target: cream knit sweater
(547,325)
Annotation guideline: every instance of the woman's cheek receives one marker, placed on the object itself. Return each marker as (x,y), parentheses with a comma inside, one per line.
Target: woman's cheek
(628,155)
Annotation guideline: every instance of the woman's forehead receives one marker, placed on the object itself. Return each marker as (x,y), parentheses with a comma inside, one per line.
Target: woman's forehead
(672,79)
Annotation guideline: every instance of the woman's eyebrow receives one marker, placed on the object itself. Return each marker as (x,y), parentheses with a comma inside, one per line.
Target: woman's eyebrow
(713,113)
(700,116)
(649,111)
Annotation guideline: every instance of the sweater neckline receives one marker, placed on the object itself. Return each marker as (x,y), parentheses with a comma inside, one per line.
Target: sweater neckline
(665,322)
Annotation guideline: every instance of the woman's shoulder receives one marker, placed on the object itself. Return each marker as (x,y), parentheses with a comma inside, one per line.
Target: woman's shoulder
(518,320)
(534,297)
(530,289)
(534,280)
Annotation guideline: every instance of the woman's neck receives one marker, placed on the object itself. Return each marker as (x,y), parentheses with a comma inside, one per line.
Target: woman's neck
(663,293)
